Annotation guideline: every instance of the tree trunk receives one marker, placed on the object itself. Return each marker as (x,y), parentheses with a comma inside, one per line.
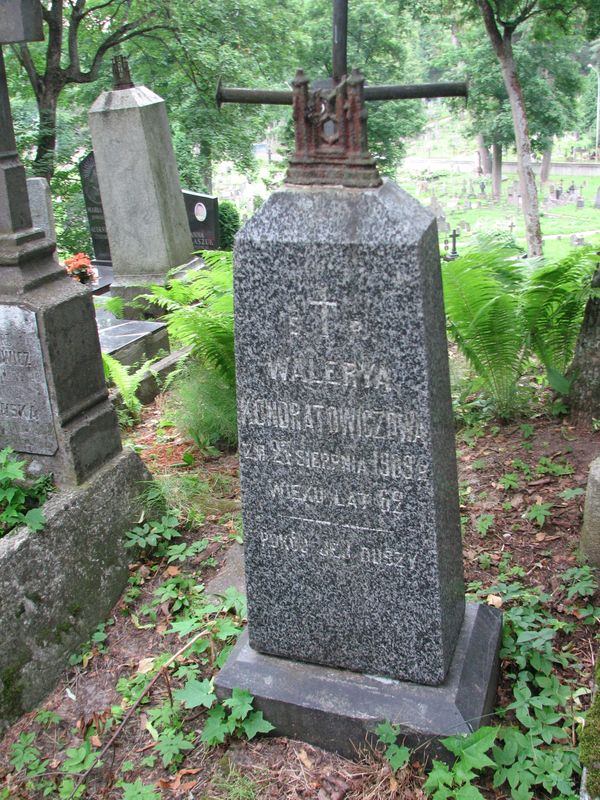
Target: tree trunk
(546,163)
(43,165)
(503,47)
(484,156)
(585,369)
(496,172)
(207,168)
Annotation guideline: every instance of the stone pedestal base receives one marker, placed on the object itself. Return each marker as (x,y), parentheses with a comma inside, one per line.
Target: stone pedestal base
(58,584)
(338,710)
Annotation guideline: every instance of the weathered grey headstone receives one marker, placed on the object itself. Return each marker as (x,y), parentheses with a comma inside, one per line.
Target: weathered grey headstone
(141,196)
(348,465)
(580,202)
(597,200)
(590,531)
(347,444)
(20,21)
(26,420)
(436,208)
(55,413)
(40,203)
(203,218)
(94,210)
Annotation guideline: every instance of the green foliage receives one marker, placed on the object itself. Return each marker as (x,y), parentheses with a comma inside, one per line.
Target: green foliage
(19,500)
(200,315)
(471,757)
(579,582)
(483,523)
(199,312)
(95,646)
(502,310)
(205,408)
(537,756)
(154,537)
(234,717)
(539,513)
(137,791)
(229,224)
(127,381)
(397,755)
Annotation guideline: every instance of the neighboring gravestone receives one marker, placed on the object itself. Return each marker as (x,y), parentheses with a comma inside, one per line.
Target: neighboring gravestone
(203,219)
(436,208)
(40,203)
(348,465)
(95,212)
(597,200)
(55,587)
(590,531)
(141,196)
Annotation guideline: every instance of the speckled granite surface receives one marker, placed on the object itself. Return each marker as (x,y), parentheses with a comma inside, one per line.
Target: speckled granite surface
(349,486)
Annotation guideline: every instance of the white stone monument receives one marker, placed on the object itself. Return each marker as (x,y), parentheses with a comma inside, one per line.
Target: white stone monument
(143,206)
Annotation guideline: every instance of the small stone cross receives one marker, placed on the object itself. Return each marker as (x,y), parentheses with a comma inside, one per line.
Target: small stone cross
(453,253)
(330,118)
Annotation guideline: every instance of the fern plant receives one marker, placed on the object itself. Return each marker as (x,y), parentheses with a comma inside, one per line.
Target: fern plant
(199,315)
(199,312)
(127,382)
(502,310)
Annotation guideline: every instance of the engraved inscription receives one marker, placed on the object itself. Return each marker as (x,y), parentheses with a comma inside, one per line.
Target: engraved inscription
(388,500)
(347,374)
(339,549)
(378,464)
(355,423)
(26,420)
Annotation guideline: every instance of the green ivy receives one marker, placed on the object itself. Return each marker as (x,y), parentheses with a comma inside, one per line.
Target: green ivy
(20,501)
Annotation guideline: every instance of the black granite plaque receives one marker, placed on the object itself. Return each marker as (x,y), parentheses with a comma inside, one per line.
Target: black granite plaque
(26,420)
(203,219)
(93,206)
(348,466)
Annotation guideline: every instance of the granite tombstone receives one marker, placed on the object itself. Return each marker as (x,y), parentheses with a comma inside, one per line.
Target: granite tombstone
(348,466)
(203,219)
(56,414)
(94,210)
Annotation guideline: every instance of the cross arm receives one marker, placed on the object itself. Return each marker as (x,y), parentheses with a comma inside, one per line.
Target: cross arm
(226,94)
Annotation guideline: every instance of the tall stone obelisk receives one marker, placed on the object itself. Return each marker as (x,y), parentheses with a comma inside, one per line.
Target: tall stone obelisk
(56,585)
(54,404)
(145,214)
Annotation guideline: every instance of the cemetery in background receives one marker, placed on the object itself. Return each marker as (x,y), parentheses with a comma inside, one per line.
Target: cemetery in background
(346,623)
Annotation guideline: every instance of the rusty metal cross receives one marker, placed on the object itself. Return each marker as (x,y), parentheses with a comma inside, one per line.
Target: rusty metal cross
(330,117)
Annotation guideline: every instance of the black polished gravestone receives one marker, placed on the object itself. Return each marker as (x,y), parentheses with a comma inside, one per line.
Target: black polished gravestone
(203,219)
(95,214)
(356,604)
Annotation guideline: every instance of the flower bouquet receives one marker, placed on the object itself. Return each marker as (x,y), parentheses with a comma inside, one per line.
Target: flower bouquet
(79,267)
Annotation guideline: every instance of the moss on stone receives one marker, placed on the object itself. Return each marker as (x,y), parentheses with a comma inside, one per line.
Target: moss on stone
(589,745)
(11,692)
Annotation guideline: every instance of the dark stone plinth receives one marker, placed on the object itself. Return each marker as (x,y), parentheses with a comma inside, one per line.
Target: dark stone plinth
(348,466)
(338,710)
(131,341)
(56,585)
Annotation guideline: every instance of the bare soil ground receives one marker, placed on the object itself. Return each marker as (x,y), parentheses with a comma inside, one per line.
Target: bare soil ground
(495,529)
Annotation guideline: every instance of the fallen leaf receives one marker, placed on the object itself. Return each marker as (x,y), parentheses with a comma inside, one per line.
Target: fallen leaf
(145,665)
(540,537)
(302,756)
(95,740)
(494,600)
(173,570)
